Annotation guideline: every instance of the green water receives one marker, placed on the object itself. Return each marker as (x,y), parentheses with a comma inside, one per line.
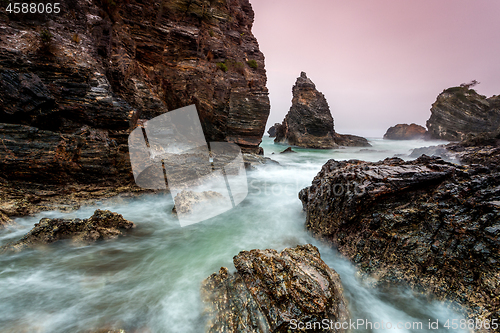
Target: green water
(149,280)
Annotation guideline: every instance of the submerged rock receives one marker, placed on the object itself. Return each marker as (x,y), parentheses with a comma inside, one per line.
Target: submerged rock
(427,223)
(349,140)
(102,225)
(309,123)
(186,201)
(270,289)
(405,132)
(288,151)
(459,112)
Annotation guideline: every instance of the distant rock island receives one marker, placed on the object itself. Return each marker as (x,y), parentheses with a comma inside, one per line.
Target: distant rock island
(460,112)
(309,123)
(272,130)
(405,132)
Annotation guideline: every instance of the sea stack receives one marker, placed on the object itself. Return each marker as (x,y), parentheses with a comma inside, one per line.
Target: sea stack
(309,123)
(460,112)
(405,132)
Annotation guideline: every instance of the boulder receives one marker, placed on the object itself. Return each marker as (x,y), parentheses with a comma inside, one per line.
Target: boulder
(270,290)
(460,112)
(405,132)
(100,226)
(426,223)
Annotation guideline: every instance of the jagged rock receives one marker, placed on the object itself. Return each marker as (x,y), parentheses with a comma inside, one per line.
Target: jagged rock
(309,123)
(102,225)
(273,130)
(270,289)
(405,132)
(428,223)
(459,112)
(288,151)
(186,201)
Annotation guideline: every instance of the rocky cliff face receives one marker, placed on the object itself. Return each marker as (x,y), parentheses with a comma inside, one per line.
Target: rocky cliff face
(405,132)
(429,223)
(309,123)
(73,84)
(271,290)
(459,112)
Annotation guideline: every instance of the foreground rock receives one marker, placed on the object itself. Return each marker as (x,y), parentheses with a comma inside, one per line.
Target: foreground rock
(428,223)
(460,112)
(270,289)
(100,226)
(405,132)
(309,123)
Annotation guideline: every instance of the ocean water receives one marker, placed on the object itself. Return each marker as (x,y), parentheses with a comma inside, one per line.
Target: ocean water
(149,280)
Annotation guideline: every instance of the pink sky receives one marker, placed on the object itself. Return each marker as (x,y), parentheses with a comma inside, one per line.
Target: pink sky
(379,63)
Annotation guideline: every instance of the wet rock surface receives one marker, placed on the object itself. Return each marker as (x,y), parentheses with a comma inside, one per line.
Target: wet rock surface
(426,223)
(405,132)
(459,112)
(269,289)
(102,225)
(69,100)
(309,123)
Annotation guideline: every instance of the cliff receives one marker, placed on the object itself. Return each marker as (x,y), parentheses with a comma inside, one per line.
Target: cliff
(460,112)
(309,123)
(74,84)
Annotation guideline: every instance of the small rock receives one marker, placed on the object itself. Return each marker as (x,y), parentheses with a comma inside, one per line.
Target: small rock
(288,151)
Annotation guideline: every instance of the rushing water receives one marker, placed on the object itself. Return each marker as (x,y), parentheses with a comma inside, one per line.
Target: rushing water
(149,280)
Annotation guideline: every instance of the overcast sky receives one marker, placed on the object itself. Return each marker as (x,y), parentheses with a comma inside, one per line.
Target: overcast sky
(378,62)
